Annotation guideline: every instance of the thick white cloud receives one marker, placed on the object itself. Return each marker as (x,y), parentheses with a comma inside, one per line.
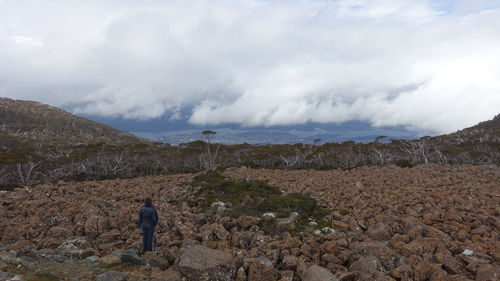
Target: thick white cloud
(428,65)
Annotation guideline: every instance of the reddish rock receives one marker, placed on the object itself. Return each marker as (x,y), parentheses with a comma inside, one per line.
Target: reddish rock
(407,250)
(367,264)
(346,276)
(439,275)
(401,272)
(341,226)
(379,231)
(262,269)
(213,232)
(290,262)
(88,252)
(301,265)
(286,275)
(248,221)
(110,260)
(451,265)
(387,256)
(488,272)
(198,262)
(318,273)
(329,258)
(154,260)
(168,275)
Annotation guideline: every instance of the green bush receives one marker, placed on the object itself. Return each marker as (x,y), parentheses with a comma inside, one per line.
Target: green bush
(264,198)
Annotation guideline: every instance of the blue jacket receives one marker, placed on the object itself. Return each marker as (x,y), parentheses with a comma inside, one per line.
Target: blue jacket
(148,216)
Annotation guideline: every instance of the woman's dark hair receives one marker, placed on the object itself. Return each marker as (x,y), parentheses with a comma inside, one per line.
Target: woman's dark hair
(148,201)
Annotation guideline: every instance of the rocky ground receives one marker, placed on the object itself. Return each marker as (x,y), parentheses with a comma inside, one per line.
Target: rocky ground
(430,222)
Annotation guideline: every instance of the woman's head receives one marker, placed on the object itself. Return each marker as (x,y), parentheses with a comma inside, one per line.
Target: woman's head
(148,201)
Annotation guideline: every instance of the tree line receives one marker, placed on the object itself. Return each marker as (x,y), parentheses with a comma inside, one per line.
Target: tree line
(27,164)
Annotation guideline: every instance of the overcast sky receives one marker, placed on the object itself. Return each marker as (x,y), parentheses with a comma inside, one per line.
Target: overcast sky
(427,65)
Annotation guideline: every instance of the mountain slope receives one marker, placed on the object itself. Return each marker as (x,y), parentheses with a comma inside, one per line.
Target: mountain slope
(484,132)
(31,120)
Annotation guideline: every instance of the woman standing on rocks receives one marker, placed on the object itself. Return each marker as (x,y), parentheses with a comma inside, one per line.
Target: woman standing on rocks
(148,219)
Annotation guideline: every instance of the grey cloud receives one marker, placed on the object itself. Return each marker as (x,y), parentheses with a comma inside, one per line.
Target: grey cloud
(252,62)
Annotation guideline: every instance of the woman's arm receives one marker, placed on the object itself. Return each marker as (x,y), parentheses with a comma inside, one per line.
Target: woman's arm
(155,217)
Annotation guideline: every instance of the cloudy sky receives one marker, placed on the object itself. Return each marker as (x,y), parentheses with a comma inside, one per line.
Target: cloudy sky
(426,65)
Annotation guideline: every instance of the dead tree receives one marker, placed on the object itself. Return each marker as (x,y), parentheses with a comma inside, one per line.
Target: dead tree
(300,158)
(27,171)
(113,164)
(58,152)
(422,150)
(4,173)
(346,156)
(290,161)
(209,161)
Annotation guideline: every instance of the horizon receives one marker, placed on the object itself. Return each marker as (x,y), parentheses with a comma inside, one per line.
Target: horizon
(176,132)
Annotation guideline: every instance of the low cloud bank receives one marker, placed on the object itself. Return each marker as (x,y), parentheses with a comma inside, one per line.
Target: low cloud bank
(429,66)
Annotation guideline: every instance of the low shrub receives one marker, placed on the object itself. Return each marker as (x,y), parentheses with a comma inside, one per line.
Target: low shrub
(255,198)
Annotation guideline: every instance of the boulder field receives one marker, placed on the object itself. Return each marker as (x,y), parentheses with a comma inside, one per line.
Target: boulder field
(426,223)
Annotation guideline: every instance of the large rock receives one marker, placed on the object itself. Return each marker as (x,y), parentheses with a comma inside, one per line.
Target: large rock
(88,252)
(290,262)
(214,232)
(318,273)
(379,231)
(168,275)
(404,271)
(341,226)
(154,260)
(202,263)
(127,256)
(110,260)
(487,272)
(287,224)
(387,256)
(248,221)
(112,276)
(369,264)
(262,269)
(451,264)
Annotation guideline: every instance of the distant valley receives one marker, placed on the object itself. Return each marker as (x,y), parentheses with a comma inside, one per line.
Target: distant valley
(272,136)
(176,132)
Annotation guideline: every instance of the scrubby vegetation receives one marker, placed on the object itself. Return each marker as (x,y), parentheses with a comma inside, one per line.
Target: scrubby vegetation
(25,162)
(256,198)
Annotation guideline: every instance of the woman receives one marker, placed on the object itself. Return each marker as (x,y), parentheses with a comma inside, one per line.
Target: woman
(148,219)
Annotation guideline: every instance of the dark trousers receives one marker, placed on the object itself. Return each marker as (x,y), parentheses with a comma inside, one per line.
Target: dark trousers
(147,237)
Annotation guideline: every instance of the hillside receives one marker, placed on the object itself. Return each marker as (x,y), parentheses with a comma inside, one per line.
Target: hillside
(487,131)
(34,121)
